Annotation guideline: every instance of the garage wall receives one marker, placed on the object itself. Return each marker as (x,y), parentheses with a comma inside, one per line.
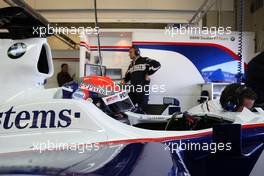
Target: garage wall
(254,22)
(57,44)
(111,44)
(227,19)
(63,56)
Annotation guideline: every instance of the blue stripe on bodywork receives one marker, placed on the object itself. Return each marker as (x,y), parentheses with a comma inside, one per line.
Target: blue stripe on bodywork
(201,56)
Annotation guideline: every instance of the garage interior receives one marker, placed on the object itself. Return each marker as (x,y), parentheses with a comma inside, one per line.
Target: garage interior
(138,14)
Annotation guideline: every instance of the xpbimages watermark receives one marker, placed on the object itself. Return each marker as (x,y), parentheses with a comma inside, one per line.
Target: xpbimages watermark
(196,30)
(51,30)
(110,89)
(60,146)
(196,146)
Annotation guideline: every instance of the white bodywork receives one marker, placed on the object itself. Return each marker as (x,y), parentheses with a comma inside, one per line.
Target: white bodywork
(19,75)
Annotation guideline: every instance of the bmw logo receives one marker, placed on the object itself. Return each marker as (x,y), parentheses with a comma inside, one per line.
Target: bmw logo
(232,39)
(17,50)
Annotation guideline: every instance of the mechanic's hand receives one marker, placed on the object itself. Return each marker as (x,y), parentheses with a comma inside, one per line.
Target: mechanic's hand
(122,81)
(147,78)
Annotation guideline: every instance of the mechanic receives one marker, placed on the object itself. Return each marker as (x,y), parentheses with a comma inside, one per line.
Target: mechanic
(236,97)
(138,74)
(63,76)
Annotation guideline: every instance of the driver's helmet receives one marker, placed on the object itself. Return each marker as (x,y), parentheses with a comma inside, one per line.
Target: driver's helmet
(90,87)
(98,86)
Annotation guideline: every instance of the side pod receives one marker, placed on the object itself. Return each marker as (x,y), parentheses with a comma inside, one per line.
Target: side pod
(240,159)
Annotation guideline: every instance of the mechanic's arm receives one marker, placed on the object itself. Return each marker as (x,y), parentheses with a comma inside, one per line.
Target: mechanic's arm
(127,75)
(153,66)
(59,80)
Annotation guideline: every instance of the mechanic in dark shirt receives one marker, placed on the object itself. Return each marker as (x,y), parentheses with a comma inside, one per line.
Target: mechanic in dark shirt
(138,74)
(63,76)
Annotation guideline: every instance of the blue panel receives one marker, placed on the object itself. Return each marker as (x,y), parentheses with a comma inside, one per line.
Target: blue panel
(202,57)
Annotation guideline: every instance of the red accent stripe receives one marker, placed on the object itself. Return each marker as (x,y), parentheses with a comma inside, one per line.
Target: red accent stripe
(253,125)
(87,47)
(122,47)
(142,140)
(230,52)
(162,139)
(66,58)
(105,47)
(83,43)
